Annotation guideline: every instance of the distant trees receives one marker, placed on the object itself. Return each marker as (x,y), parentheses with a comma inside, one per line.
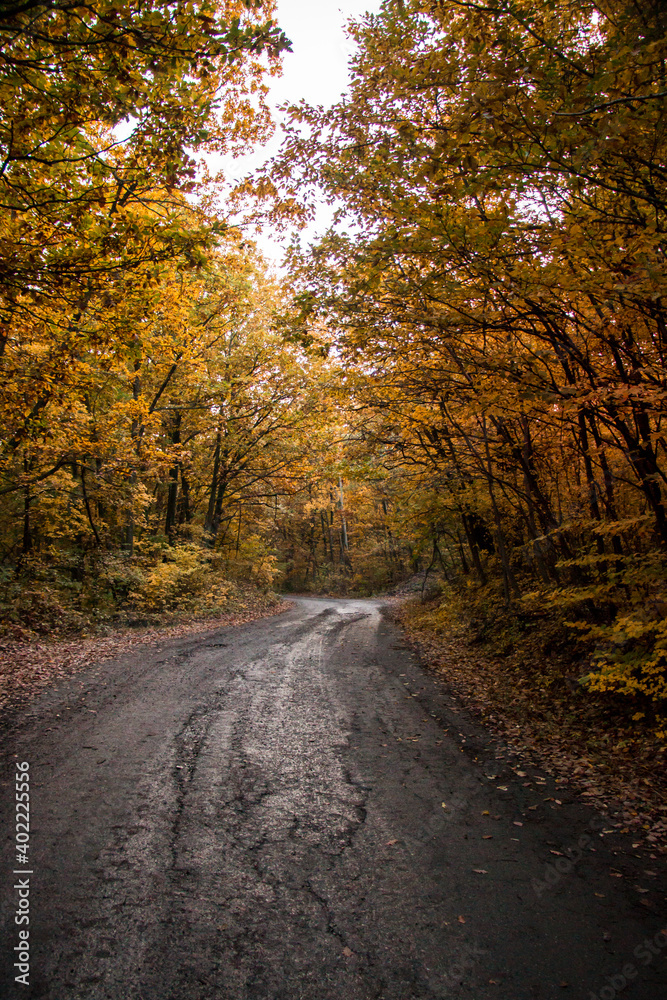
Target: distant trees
(500,296)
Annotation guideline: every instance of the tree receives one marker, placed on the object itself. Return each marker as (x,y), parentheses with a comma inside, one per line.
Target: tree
(103,109)
(106,228)
(501,290)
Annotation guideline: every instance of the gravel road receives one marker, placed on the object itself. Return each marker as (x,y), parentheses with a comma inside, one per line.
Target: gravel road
(295,810)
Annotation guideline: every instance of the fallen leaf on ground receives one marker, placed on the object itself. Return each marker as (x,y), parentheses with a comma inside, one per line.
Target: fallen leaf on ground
(27,666)
(615,783)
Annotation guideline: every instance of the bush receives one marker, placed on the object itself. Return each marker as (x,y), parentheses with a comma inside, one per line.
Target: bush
(184,576)
(254,563)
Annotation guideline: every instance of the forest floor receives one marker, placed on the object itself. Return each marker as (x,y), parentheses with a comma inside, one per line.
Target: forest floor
(29,663)
(526,693)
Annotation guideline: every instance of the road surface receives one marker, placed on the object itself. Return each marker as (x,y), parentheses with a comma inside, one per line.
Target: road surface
(295,810)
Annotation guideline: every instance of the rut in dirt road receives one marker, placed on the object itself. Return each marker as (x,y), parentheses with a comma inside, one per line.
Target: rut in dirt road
(283,811)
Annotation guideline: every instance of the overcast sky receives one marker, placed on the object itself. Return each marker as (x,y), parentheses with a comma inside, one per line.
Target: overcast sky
(315,70)
(317,67)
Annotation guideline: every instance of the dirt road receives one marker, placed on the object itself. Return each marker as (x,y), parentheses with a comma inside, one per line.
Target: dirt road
(275,812)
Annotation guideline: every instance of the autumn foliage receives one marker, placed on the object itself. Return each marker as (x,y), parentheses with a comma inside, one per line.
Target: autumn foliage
(133,318)
(495,282)
(464,376)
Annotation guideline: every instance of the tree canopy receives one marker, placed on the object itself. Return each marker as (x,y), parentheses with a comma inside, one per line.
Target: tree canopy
(464,375)
(495,283)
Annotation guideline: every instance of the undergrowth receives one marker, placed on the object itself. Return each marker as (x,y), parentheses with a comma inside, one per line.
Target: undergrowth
(540,668)
(53,595)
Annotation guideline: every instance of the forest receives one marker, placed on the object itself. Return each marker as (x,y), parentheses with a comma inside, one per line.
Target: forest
(463,378)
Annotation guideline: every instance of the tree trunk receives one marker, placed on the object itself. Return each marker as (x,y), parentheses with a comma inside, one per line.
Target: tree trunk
(184,509)
(134,434)
(208,522)
(343,523)
(172,496)
(474,551)
(27,532)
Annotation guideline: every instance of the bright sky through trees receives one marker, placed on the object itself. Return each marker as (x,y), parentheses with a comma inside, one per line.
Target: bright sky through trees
(316,70)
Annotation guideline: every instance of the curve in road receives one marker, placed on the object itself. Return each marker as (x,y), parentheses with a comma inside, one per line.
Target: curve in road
(295,810)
